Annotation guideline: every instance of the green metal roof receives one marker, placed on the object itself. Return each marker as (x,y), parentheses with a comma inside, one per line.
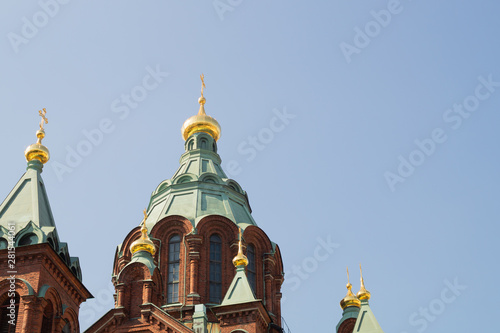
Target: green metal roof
(27,210)
(200,188)
(142,257)
(27,202)
(366,322)
(239,291)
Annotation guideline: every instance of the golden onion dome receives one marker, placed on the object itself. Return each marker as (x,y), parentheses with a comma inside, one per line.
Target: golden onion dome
(201,122)
(37,151)
(363,294)
(240,258)
(350,299)
(143,243)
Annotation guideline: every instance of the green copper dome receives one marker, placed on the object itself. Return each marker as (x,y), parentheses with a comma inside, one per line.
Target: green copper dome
(200,188)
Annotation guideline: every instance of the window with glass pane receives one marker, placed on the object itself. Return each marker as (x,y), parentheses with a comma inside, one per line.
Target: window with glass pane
(251,266)
(174,249)
(215,279)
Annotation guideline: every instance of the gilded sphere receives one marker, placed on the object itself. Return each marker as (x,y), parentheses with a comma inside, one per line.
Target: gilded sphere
(143,245)
(363,294)
(38,152)
(350,299)
(240,259)
(201,123)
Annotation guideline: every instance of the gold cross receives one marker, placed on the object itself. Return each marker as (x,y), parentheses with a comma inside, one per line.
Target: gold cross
(42,114)
(145,216)
(202,77)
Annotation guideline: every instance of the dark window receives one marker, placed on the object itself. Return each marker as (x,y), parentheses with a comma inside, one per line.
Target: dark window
(51,243)
(215,269)
(174,250)
(47,319)
(204,144)
(5,326)
(190,145)
(28,239)
(251,266)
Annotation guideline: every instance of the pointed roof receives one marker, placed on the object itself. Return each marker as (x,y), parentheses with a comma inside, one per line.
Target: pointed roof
(26,210)
(239,291)
(28,201)
(366,322)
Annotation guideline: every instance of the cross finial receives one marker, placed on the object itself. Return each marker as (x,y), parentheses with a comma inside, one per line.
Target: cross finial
(42,114)
(348,282)
(145,217)
(202,77)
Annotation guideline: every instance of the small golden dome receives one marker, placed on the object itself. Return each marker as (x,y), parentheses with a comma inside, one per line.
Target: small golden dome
(363,294)
(37,151)
(240,258)
(201,122)
(350,299)
(143,243)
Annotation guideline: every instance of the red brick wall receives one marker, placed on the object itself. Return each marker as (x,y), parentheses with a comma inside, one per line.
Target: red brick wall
(39,265)
(194,265)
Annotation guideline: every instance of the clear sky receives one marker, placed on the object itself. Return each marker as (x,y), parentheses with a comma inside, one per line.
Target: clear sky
(363,132)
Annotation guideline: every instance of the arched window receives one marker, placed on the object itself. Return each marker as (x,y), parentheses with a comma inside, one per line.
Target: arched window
(5,326)
(251,266)
(191,145)
(51,243)
(48,316)
(215,279)
(66,328)
(174,250)
(203,144)
(28,239)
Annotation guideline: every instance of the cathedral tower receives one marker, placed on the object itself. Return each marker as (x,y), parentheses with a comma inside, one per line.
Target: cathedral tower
(41,285)
(184,269)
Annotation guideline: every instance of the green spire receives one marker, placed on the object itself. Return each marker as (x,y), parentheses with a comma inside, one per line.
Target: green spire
(27,208)
(239,291)
(366,322)
(28,202)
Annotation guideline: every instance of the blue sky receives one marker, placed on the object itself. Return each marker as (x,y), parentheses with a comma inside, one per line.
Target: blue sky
(370,126)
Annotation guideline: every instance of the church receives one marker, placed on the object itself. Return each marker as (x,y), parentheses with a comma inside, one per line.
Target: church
(197,262)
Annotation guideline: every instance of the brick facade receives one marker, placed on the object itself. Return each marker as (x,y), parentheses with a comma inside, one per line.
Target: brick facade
(141,301)
(49,293)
